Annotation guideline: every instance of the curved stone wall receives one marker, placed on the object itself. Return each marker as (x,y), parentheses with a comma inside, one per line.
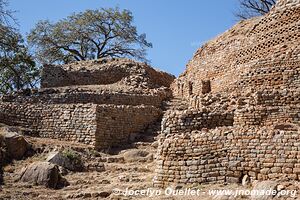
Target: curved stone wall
(259,53)
(227,154)
(242,90)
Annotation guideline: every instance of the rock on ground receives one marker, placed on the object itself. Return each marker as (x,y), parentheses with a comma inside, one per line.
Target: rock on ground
(42,173)
(69,160)
(137,155)
(16,145)
(264,186)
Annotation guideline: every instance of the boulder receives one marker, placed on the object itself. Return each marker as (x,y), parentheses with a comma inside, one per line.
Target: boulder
(67,159)
(268,188)
(42,173)
(16,145)
(137,155)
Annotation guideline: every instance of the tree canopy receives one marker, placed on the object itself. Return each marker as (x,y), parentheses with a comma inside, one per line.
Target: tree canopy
(253,8)
(92,34)
(17,67)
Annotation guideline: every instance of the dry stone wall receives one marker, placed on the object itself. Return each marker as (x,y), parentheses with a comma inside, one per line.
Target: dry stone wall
(243,116)
(104,72)
(73,96)
(194,119)
(117,125)
(257,53)
(222,138)
(73,122)
(272,75)
(269,108)
(227,154)
(104,102)
(104,126)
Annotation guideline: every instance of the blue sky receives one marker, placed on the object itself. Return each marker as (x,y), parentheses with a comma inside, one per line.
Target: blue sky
(175,27)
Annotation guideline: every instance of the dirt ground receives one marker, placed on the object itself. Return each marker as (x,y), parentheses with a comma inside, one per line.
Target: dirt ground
(117,180)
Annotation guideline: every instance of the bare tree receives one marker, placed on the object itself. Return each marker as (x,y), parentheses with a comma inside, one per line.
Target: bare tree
(253,8)
(6,15)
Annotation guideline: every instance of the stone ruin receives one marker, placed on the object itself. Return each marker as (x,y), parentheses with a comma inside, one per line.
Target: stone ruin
(105,103)
(243,94)
(238,105)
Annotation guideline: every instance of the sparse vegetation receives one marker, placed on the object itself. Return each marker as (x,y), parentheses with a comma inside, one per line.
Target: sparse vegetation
(72,155)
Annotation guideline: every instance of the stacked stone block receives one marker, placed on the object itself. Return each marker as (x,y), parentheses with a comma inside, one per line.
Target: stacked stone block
(258,53)
(104,102)
(72,122)
(105,72)
(244,108)
(85,95)
(269,108)
(194,119)
(227,154)
(118,125)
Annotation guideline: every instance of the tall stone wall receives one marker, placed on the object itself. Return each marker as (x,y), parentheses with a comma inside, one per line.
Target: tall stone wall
(73,122)
(102,102)
(242,90)
(227,154)
(117,125)
(226,137)
(259,53)
(103,126)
